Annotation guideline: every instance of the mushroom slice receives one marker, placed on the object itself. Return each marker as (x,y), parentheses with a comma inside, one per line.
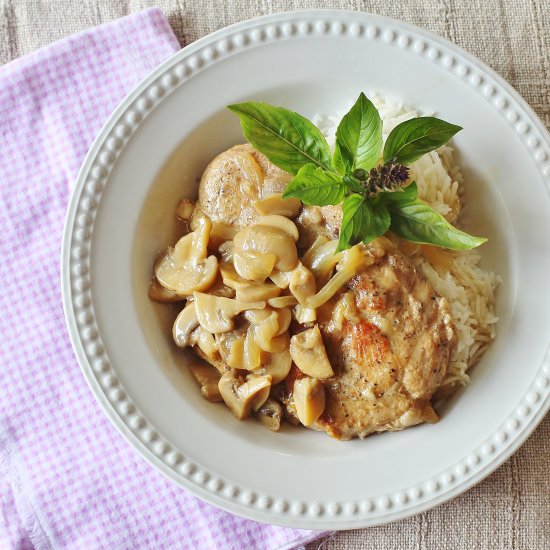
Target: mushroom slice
(185,209)
(275,204)
(185,268)
(231,347)
(186,322)
(282,301)
(230,277)
(243,396)
(308,352)
(281,278)
(216,313)
(270,328)
(252,358)
(247,291)
(282,223)
(254,292)
(205,341)
(160,294)
(302,284)
(254,266)
(226,251)
(264,330)
(208,377)
(219,288)
(262,239)
(270,415)
(276,344)
(276,365)
(309,399)
(305,315)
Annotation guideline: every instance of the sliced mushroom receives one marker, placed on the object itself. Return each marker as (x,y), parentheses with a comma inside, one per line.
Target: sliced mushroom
(254,266)
(266,240)
(302,284)
(230,277)
(219,288)
(186,322)
(185,268)
(208,377)
(160,294)
(231,347)
(275,204)
(216,313)
(185,209)
(252,358)
(276,365)
(226,251)
(254,292)
(281,278)
(309,399)
(265,330)
(282,301)
(247,291)
(308,352)
(270,415)
(280,222)
(305,315)
(205,341)
(270,328)
(241,395)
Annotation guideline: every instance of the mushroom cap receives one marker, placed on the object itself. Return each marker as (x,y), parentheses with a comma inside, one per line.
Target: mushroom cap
(308,352)
(309,399)
(260,239)
(184,325)
(241,395)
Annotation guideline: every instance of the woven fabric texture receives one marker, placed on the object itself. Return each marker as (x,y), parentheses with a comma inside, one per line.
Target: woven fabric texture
(510,510)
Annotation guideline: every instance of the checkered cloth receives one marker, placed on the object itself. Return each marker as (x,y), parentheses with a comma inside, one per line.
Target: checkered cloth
(68,478)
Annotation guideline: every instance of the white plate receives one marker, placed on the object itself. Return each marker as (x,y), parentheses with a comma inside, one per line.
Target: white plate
(165,132)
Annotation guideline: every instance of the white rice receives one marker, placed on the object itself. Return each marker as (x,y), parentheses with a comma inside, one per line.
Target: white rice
(456,276)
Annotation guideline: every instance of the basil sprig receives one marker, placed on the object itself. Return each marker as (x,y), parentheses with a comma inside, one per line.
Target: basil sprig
(371,184)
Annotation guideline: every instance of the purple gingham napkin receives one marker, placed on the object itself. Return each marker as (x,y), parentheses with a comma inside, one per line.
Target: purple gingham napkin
(68,479)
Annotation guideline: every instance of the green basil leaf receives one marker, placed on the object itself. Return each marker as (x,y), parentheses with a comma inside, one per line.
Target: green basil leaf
(417,221)
(286,138)
(413,138)
(362,221)
(407,194)
(312,185)
(358,137)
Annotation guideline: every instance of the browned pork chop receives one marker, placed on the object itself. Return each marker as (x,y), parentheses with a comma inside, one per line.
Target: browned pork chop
(392,358)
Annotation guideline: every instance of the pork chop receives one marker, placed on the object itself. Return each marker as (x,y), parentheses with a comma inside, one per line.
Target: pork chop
(391,358)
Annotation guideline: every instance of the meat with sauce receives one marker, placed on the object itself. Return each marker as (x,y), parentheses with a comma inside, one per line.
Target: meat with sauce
(391,358)
(393,353)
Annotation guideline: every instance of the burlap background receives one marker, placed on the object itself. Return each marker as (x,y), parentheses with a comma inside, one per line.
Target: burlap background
(511,508)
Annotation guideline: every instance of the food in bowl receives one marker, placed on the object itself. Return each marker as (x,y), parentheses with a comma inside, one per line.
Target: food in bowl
(329,288)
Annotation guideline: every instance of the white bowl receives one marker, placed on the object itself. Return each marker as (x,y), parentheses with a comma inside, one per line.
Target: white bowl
(150,154)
